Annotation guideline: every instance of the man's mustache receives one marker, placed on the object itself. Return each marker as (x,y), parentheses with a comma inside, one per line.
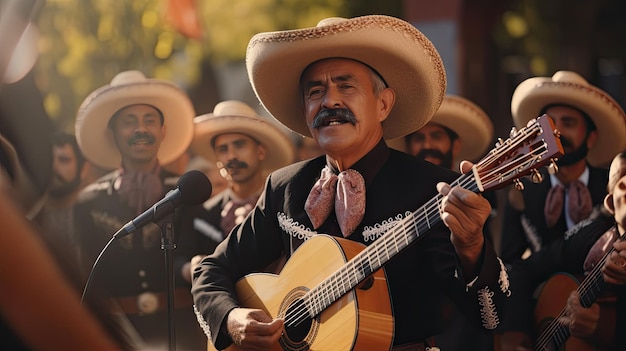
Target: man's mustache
(236,164)
(341,114)
(142,136)
(432,153)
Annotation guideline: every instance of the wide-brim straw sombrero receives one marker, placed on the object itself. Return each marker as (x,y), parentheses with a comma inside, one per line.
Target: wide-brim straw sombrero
(233,116)
(401,54)
(569,88)
(470,122)
(132,88)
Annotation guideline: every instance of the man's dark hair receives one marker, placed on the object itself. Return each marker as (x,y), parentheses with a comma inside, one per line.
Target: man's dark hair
(61,139)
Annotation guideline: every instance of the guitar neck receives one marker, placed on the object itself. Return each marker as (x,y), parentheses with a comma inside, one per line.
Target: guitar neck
(403,234)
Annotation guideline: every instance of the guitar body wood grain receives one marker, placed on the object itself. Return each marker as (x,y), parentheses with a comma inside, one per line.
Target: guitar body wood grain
(359,320)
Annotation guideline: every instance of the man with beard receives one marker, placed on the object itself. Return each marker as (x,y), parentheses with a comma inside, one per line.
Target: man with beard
(134,125)
(56,218)
(460,130)
(592,128)
(246,148)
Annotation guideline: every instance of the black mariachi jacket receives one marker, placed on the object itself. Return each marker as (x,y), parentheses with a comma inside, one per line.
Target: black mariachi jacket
(132,264)
(566,255)
(527,228)
(419,276)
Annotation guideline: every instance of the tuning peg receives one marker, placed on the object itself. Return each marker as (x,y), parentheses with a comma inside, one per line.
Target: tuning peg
(553,168)
(499,143)
(535,176)
(556,133)
(518,184)
(531,122)
(513,132)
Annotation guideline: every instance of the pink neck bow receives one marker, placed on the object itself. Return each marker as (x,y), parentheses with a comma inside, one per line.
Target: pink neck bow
(345,192)
(579,203)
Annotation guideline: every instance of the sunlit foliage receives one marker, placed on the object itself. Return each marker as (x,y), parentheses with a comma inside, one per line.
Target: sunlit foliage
(84,43)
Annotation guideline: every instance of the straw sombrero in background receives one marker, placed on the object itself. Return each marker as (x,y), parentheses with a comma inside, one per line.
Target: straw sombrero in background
(234,116)
(467,120)
(132,88)
(569,88)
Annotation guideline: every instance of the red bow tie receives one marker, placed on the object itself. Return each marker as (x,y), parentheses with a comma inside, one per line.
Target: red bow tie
(344,192)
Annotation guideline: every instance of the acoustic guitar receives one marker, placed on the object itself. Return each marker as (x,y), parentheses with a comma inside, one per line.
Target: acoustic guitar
(332,293)
(550,308)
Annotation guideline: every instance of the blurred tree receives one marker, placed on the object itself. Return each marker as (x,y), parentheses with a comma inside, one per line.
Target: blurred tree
(84,43)
(545,36)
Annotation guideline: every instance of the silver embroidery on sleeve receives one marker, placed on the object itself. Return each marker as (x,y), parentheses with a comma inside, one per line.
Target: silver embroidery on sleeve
(203,324)
(293,228)
(504,279)
(531,234)
(371,233)
(573,230)
(487,310)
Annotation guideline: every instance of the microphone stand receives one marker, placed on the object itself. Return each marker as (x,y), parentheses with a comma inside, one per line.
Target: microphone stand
(168,245)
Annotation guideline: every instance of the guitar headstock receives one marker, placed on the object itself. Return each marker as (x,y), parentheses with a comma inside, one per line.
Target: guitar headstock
(527,150)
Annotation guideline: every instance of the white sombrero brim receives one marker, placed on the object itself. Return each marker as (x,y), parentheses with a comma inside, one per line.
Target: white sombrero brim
(96,140)
(534,94)
(280,149)
(402,55)
(468,121)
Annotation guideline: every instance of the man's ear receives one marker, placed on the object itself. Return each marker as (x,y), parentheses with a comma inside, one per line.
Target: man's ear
(592,139)
(608,203)
(262,152)
(387,100)
(456,148)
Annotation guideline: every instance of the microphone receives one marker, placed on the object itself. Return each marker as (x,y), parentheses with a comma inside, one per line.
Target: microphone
(193,188)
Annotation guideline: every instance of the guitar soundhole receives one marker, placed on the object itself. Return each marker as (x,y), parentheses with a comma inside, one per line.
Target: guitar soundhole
(300,329)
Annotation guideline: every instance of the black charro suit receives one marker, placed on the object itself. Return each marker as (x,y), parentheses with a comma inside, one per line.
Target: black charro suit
(418,276)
